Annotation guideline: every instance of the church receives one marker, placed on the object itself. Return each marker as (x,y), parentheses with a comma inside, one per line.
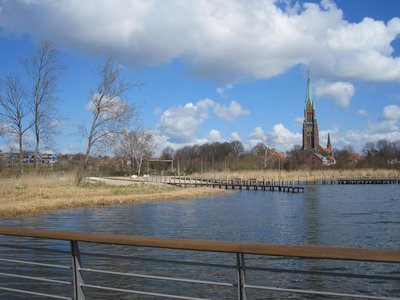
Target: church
(316,155)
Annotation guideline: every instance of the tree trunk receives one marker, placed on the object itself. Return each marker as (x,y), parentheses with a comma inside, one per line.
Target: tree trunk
(21,155)
(139,165)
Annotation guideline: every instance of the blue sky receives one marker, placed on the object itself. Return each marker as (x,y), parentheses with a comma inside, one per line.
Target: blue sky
(222,70)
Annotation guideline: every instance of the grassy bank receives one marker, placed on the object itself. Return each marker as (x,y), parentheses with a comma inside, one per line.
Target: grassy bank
(305,175)
(41,194)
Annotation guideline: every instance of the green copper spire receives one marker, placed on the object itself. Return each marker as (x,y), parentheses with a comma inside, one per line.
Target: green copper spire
(309,95)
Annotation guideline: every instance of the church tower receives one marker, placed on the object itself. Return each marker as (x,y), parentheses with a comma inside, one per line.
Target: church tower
(310,125)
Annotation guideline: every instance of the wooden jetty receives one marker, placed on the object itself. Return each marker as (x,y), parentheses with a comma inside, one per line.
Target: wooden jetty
(395,180)
(237,183)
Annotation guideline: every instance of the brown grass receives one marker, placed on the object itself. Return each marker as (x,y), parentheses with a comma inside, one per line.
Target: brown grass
(34,195)
(305,175)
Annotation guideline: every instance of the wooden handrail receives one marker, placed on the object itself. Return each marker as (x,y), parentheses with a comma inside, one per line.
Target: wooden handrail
(340,253)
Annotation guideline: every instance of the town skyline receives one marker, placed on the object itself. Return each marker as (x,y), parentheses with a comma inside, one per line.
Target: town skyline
(241,76)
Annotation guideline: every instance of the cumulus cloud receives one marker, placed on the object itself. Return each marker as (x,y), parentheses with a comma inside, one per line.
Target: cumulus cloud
(231,112)
(283,139)
(256,136)
(391,112)
(180,123)
(339,92)
(235,137)
(385,126)
(279,137)
(162,141)
(214,136)
(357,139)
(227,41)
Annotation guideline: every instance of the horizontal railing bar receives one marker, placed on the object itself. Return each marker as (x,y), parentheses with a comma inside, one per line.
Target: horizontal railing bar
(180,262)
(34,248)
(140,292)
(379,255)
(159,277)
(324,273)
(35,263)
(312,292)
(34,293)
(35,278)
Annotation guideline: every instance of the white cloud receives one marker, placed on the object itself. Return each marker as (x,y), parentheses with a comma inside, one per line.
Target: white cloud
(339,92)
(279,138)
(162,141)
(283,139)
(231,112)
(235,137)
(381,127)
(357,139)
(180,123)
(362,112)
(109,107)
(255,137)
(391,112)
(214,136)
(229,40)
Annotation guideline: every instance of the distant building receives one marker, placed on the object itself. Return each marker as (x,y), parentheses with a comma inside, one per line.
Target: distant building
(10,159)
(355,159)
(317,156)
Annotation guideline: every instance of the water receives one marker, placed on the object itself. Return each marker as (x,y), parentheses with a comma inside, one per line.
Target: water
(324,215)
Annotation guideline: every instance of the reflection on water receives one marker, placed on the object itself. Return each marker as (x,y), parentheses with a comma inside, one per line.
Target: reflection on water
(355,216)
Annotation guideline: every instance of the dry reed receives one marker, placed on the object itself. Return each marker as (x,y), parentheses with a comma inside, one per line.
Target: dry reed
(41,194)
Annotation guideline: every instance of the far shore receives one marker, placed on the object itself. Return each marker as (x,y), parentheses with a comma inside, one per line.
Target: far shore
(40,195)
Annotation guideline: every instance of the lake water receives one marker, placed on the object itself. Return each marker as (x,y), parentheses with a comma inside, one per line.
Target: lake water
(335,215)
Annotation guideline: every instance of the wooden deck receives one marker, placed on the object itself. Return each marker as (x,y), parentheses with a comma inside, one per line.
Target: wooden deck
(369,181)
(237,183)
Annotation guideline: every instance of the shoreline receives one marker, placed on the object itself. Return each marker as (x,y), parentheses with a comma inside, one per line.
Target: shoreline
(34,198)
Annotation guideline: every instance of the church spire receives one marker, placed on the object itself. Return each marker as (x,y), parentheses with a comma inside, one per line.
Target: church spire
(328,145)
(309,95)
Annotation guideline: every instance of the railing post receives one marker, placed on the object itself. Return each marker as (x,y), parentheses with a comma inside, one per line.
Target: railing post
(241,274)
(79,293)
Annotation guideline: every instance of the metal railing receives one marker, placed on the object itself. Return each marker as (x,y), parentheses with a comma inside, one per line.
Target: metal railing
(80,276)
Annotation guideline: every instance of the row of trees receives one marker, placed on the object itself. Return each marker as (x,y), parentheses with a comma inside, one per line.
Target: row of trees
(219,157)
(28,106)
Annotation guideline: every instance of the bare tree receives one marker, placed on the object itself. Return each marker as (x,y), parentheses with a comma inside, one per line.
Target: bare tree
(44,69)
(110,113)
(136,146)
(14,111)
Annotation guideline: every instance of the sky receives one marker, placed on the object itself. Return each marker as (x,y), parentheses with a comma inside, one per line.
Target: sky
(214,71)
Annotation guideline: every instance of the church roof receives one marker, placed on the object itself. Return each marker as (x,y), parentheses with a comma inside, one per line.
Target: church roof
(309,95)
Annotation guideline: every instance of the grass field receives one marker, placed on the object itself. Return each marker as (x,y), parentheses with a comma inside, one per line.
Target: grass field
(41,194)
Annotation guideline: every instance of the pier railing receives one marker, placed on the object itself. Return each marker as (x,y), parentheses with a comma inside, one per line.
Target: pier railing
(233,275)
